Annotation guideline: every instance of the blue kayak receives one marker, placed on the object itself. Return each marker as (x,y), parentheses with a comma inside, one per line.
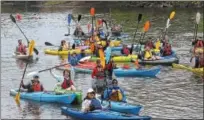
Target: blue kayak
(136,47)
(101,115)
(152,72)
(46,97)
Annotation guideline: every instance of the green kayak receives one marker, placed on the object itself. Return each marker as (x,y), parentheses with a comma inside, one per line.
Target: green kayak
(58,90)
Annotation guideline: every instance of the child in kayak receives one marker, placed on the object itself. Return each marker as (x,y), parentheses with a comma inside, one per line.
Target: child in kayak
(21,48)
(63,46)
(90,102)
(114,93)
(34,86)
(125,50)
(148,54)
(73,59)
(67,82)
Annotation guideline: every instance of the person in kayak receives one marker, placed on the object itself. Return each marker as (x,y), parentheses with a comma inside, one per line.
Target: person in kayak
(78,31)
(166,49)
(125,50)
(149,43)
(63,46)
(198,43)
(114,93)
(109,67)
(99,77)
(148,54)
(21,48)
(67,82)
(90,102)
(116,30)
(34,85)
(73,59)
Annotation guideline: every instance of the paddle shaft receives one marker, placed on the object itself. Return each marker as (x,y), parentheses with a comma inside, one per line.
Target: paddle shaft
(196,31)
(51,68)
(22,77)
(135,33)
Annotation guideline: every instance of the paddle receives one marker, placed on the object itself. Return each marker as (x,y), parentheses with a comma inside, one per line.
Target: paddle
(30,50)
(197,22)
(92,12)
(69,22)
(36,72)
(50,44)
(14,21)
(139,19)
(168,21)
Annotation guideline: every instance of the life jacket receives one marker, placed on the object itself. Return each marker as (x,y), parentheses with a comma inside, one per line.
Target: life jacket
(37,87)
(22,49)
(148,54)
(95,105)
(199,43)
(109,66)
(126,51)
(66,84)
(149,44)
(167,50)
(100,72)
(126,66)
(117,96)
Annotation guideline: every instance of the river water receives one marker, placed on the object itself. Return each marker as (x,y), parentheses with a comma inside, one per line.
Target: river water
(174,94)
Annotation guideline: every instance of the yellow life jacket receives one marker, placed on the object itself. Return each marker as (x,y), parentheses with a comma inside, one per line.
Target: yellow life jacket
(148,54)
(157,45)
(117,96)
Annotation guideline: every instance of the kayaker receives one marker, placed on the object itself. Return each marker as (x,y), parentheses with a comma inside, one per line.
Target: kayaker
(109,67)
(90,102)
(115,93)
(195,60)
(125,50)
(166,49)
(67,82)
(99,48)
(21,48)
(73,59)
(116,30)
(34,85)
(98,76)
(197,44)
(149,43)
(78,31)
(63,46)
(149,55)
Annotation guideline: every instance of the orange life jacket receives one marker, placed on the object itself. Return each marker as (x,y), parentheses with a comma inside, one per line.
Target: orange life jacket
(37,87)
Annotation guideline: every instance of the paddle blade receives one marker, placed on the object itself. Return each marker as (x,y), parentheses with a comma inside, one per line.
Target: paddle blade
(167,23)
(17,98)
(12,18)
(102,58)
(79,18)
(31,47)
(31,74)
(92,11)
(146,26)
(139,17)
(172,15)
(36,51)
(48,44)
(197,17)
(69,19)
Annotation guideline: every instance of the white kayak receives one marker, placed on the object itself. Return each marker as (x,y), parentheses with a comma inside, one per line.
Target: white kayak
(22,57)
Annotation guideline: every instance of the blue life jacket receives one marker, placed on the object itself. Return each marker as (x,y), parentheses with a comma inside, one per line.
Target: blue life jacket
(95,104)
(73,61)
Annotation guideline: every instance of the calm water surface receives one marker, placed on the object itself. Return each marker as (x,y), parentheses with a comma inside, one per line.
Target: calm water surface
(173,94)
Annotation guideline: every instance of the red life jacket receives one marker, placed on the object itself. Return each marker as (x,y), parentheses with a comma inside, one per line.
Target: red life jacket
(199,43)
(37,87)
(126,51)
(149,44)
(22,49)
(167,49)
(66,84)
(109,66)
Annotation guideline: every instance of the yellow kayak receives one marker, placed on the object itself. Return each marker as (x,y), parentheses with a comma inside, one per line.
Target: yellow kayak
(197,71)
(65,52)
(119,58)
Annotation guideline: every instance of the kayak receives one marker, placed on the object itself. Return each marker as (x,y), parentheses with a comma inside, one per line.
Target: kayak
(152,72)
(86,67)
(46,97)
(65,52)
(58,90)
(136,47)
(197,71)
(22,57)
(101,115)
(167,60)
(118,58)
